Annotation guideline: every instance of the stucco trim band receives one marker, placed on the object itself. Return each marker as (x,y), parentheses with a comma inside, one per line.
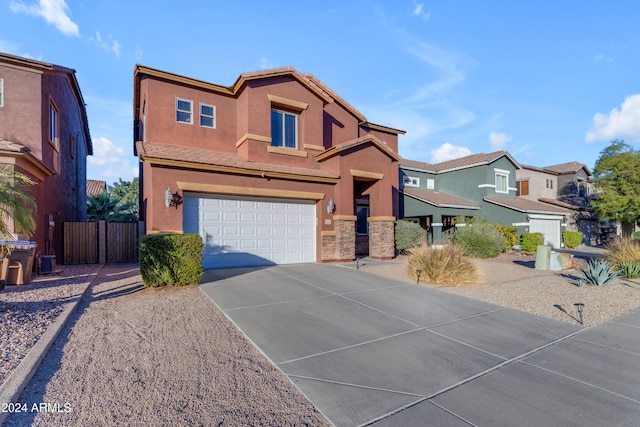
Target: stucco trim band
(365,174)
(287,151)
(381,218)
(248,191)
(296,105)
(254,137)
(344,218)
(327,233)
(313,147)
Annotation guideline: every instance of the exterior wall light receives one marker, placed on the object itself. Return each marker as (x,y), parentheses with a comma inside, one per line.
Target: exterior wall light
(331,206)
(168,197)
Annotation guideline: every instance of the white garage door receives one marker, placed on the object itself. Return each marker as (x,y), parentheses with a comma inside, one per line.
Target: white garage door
(243,231)
(550,228)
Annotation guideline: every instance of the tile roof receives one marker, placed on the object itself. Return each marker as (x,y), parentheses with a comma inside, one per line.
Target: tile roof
(566,205)
(438,199)
(460,163)
(355,142)
(525,205)
(538,169)
(96,187)
(147,150)
(7,145)
(569,167)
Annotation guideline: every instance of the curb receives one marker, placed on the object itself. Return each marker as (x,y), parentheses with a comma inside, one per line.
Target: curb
(13,387)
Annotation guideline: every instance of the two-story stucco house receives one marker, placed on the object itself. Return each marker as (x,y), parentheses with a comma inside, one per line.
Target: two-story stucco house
(45,134)
(276,168)
(567,185)
(479,185)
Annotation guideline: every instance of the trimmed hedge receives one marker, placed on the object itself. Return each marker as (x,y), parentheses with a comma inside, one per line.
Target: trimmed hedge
(572,239)
(530,241)
(171,259)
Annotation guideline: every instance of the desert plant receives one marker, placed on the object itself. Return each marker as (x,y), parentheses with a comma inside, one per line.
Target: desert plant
(480,240)
(171,259)
(636,236)
(630,270)
(530,241)
(623,250)
(510,233)
(598,273)
(408,234)
(442,266)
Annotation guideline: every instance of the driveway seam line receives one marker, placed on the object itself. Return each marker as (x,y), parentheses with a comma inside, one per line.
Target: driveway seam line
(607,346)
(580,381)
(421,396)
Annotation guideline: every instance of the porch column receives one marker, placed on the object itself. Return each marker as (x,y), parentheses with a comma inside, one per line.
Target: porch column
(382,243)
(345,239)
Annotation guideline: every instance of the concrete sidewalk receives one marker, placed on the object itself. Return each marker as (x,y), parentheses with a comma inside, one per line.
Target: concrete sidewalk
(372,350)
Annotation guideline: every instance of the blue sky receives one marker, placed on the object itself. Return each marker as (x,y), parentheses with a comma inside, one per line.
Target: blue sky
(551,82)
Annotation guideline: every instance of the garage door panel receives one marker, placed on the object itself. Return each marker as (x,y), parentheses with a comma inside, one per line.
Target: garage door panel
(244,231)
(550,229)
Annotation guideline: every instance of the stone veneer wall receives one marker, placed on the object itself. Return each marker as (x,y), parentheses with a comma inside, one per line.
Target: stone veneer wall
(382,243)
(344,244)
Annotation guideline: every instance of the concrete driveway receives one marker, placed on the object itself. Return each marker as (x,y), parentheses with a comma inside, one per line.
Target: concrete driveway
(370,350)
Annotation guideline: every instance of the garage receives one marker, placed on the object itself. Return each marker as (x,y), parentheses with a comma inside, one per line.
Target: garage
(244,231)
(549,226)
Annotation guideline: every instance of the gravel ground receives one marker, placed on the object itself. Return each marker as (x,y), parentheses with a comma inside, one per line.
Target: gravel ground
(26,311)
(150,357)
(512,281)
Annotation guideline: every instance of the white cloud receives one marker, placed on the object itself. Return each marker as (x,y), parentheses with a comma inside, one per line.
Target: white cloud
(53,11)
(448,152)
(499,141)
(105,153)
(603,58)
(420,12)
(108,44)
(265,64)
(619,124)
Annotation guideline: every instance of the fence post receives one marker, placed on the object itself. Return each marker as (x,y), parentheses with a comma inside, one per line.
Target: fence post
(102,242)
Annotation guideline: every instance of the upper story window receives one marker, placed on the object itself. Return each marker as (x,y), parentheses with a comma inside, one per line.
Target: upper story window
(1,92)
(502,181)
(207,116)
(53,125)
(522,188)
(550,184)
(284,129)
(411,181)
(431,184)
(184,110)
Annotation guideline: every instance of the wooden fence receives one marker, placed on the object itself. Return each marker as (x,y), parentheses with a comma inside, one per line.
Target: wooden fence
(100,242)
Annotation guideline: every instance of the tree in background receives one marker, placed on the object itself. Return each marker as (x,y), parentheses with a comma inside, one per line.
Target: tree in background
(15,203)
(617,179)
(118,204)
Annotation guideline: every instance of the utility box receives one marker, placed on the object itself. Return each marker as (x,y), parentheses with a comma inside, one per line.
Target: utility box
(543,257)
(47,264)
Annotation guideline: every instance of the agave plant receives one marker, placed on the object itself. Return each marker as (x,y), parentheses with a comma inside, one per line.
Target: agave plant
(598,273)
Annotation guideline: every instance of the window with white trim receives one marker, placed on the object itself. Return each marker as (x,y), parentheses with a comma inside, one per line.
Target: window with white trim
(1,92)
(411,181)
(184,110)
(550,184)
(431,184)
(284,129)
(502,179)
(207,115)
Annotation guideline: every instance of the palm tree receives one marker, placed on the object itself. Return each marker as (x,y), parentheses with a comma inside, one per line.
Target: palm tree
(105,207)
(16,205)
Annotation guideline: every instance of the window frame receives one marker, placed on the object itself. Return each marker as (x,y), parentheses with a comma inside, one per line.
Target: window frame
(1,92)
(54,120)
(285,113)
(212,116)
(411,181)
(190,112)
(505,175)
(519,187)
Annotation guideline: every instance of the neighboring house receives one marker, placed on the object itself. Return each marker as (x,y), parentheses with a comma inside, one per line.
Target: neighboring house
(275,168)
(479,185)
(95,187)
(44,133)
(567,185)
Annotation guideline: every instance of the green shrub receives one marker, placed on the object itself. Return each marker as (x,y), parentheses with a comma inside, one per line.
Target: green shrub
(171,259)
(530,241)
(510,233)
(479,240)
(442,266)
(598,273)
(636,236)
(408,235)
(630,270)
(572,239)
